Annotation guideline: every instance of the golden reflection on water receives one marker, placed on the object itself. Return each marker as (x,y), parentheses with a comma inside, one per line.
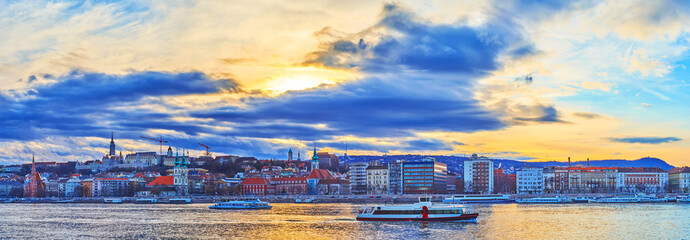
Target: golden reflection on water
(336,221)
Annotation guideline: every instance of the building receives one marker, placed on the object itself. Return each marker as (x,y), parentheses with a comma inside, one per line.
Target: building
(377,179)
(328,161)
(291,185)
(451,187)
(112,145)
(530,181)
(478,175)
(585,179)
(424,177)
(642,179)
(358,177)
(181,176)
(112,187)
(322,182)
(10,189)
(73,187)
(34,185)
(142,159)
(679,179)
(290,155)
(395,177)
(314,161)
(504,183)
(256,186)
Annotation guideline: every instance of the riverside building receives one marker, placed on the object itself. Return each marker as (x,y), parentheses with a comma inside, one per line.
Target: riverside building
(530,181)
(478,175)
(424,177)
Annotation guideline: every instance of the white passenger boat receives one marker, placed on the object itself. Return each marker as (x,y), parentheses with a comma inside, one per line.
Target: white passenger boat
(545,200)
(249,203)
(423,211)
(685,199)
(146,200)
(638,198)
(478,198)
(180,200)
(112,200)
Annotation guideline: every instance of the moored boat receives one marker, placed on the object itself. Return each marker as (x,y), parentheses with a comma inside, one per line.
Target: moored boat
(545,200)
(180,200)
(249,203)
(112,200)
(685,199)
(478,198)
(583,199)
(146,200)
(423,211)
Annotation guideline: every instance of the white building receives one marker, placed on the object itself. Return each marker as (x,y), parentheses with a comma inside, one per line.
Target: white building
(71,187)
(530,181)
(377,179)
(358,177)
(648,180)
(478,175)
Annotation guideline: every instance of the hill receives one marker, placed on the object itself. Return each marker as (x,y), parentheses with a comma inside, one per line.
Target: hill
(509,166)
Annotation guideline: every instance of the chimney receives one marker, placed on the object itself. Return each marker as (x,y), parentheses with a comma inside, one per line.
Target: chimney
(568,162)
(587,162)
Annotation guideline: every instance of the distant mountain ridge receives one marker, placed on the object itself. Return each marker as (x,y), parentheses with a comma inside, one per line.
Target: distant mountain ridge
(455,162)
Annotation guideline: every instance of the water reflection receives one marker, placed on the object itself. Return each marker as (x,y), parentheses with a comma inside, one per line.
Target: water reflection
(336,221)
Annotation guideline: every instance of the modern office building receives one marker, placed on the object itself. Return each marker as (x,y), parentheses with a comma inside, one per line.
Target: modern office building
(395,177)
(679,179)
(424,177)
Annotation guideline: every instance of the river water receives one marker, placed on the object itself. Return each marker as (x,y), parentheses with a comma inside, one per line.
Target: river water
(336,221)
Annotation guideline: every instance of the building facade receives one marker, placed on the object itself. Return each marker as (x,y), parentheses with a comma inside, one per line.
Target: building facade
(256,186)
(358,177)
(290,185)
(395,177)
(592,179)
(647,180)
(377,179)
(425,177)
(530,181)
(181,176)
(112,187)
(478,175)
(679,180)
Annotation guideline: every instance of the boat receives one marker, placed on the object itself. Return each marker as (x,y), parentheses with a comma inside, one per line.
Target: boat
(65,201)
(112,200)
(146,200)
(423,211)
(685,199)
(180,200)
(478,198)
(248,203)
(583,199)
(545,200)
(637,198)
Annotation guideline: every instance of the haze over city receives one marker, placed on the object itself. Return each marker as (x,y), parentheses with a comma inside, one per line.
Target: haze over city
(515,80)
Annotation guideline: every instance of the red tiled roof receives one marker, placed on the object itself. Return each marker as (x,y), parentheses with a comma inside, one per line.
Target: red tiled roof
(320,173)
(162,180)
(254,181)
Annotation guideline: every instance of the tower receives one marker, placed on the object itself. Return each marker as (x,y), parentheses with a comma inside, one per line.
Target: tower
(34,186)
(181,175)
(169,151)
(315,160)
(290,155)
(112,145)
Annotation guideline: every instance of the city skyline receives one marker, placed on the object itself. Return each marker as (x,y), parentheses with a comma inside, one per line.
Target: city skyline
(518,80)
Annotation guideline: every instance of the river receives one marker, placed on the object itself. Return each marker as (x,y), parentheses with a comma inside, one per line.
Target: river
(336,221)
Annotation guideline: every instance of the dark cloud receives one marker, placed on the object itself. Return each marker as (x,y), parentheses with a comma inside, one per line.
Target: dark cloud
(546,114)
(32,78)
(82,104)
(646,140)
(409,42)
(370,107)
(587,115)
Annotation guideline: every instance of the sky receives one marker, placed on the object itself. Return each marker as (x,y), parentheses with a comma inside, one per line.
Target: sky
(523,80)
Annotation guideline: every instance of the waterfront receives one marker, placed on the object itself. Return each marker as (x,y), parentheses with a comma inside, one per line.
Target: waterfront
(336,221)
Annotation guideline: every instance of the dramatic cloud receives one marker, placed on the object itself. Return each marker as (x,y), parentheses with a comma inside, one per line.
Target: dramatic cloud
(587,115)
(646,140)
(403,41)
(84,104)
(371,107)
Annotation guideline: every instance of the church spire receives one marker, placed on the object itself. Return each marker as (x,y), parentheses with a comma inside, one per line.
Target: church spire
(112,144)
(33,163)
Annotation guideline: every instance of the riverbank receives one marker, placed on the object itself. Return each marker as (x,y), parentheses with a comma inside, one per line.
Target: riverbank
(358,199)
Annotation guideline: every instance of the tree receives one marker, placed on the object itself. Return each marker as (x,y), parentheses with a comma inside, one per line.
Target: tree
(16,192)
